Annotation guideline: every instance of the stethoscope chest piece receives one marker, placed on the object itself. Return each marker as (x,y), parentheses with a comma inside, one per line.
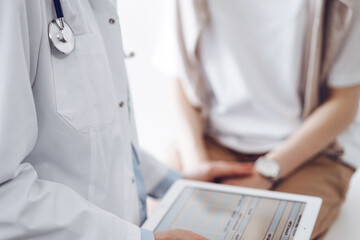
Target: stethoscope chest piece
(61,36)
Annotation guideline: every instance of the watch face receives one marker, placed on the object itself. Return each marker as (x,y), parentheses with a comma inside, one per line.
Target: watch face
(268,168)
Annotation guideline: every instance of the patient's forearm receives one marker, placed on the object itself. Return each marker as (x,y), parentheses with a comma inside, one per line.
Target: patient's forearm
(319,130)
(190,129)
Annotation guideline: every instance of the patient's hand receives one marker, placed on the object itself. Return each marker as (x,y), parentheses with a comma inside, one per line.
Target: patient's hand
(211,171)
(253,181)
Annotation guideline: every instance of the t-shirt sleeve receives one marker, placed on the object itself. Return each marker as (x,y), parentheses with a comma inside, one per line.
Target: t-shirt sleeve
(346,69)
(176,46)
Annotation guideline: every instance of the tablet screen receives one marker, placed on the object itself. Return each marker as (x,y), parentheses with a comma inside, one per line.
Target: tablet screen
(224,215)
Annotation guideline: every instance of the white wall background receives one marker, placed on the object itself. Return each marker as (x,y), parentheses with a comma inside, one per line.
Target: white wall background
(141,21)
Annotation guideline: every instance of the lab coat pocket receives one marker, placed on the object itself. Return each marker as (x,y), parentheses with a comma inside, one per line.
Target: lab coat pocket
(83,82)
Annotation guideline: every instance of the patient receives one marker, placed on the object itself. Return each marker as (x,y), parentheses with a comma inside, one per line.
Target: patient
(276,83)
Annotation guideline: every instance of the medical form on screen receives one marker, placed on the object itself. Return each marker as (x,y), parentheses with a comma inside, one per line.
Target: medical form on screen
(227,216)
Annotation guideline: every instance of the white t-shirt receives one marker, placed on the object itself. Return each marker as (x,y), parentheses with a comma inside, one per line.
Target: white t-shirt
(251,53)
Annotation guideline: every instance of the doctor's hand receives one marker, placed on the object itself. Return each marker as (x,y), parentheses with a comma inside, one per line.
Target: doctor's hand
(177,234)
(212,171)
(253,181)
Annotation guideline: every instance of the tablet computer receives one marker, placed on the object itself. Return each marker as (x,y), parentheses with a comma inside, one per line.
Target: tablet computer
(223,212)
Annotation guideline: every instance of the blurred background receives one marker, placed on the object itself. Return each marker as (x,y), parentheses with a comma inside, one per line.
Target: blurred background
(141,22)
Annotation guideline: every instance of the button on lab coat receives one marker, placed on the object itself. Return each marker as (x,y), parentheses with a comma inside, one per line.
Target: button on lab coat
(67,127)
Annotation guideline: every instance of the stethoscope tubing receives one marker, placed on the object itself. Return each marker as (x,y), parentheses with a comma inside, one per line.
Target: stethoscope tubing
(58,9)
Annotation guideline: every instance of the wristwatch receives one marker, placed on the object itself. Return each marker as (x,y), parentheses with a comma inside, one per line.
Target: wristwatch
(268,168)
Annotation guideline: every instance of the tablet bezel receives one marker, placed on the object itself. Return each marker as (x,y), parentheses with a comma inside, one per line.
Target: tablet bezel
(304,229)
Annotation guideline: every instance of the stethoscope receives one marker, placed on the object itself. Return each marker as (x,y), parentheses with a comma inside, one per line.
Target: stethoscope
(60,33)
(62,36)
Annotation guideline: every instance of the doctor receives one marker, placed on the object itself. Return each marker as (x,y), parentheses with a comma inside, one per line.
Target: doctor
(70,164)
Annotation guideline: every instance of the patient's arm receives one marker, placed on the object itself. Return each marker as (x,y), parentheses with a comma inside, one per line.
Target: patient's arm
(190,129)
(320,129)
(193,152)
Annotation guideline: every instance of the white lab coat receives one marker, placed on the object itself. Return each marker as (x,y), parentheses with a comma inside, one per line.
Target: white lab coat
(65,143)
